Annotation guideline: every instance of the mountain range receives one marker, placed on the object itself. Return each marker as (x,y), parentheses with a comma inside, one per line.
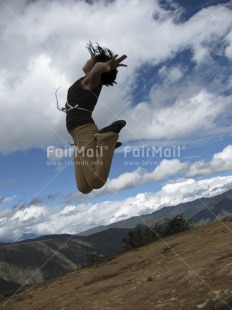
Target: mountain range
(200,211)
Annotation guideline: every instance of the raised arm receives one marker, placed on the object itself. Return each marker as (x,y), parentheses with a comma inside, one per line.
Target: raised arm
(93,79)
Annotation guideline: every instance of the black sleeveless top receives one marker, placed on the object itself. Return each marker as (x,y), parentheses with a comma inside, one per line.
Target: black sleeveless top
(86,99)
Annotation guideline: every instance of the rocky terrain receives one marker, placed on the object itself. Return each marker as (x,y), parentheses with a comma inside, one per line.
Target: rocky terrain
(191,270)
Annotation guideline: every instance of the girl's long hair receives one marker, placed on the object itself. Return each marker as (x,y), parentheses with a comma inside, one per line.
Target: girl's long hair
(100,54)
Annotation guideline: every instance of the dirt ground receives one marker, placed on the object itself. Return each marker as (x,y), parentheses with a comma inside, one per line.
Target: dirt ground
(192,270)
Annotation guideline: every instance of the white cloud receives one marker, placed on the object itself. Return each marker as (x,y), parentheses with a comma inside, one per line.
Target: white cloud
(197,188)
(30,106)
(29,213)
(220,162)
(50,52)
(171,75)
(197,113)
(73,219)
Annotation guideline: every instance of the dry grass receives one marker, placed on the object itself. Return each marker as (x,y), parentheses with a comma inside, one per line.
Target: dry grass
(191,270)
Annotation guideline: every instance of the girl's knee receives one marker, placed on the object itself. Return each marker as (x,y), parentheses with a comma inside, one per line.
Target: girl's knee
(84,190)
(95,183)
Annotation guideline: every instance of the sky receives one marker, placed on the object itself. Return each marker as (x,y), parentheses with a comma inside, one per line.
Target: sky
(175,95)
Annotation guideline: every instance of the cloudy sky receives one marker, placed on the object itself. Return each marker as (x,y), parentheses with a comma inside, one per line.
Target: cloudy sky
(175,94)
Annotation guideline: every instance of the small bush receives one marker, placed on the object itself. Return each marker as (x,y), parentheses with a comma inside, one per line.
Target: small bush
(177,224)
(140,237)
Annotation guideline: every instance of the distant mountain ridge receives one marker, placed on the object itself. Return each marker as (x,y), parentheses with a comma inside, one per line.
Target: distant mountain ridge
(200,211)
(48,257)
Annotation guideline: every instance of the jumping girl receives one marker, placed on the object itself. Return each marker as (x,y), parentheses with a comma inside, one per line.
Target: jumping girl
(94,148)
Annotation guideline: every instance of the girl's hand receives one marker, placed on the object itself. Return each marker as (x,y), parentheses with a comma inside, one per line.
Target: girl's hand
(115,63)
(94,77)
